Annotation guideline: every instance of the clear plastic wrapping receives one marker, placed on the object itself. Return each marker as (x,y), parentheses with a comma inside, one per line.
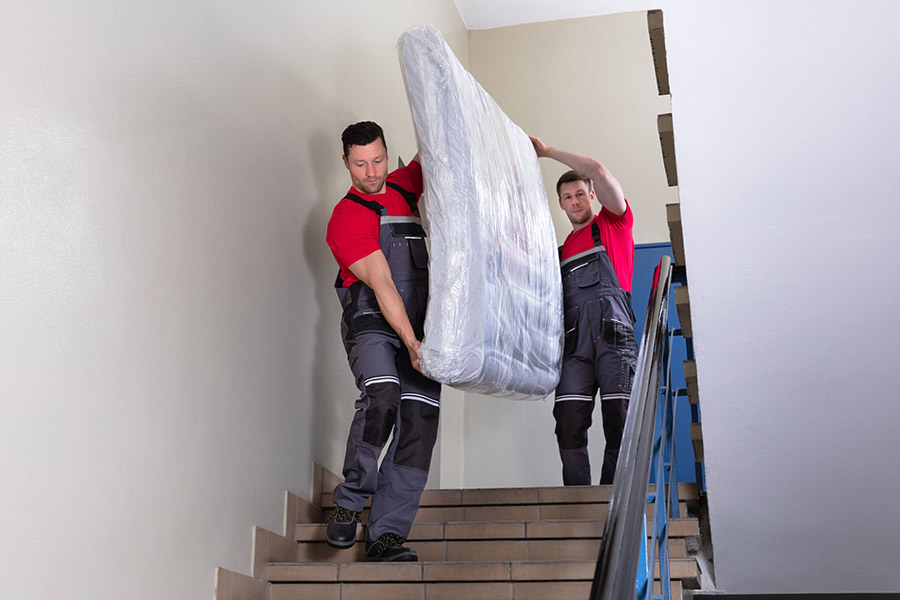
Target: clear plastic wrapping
(494,319)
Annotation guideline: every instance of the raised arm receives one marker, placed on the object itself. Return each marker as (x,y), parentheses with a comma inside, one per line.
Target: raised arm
(606,188)
(373,270)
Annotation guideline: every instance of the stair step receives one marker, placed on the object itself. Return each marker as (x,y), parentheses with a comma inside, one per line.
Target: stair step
(683,307)
(491,543)
(519,590)
(433,572)
(505,530)
(673,216)
(483,550)
(687,492)
(517,512)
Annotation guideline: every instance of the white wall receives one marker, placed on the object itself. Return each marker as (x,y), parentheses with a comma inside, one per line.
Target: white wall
(786,136)
(170,359)
(585,85)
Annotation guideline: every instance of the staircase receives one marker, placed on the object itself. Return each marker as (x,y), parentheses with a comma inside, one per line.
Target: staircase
(497,544)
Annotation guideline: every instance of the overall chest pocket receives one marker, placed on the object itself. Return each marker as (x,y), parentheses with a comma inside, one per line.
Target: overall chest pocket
(414,236)
(587,275)
(418,252)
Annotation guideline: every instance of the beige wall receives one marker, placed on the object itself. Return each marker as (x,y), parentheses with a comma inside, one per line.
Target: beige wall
(169,350)
(586,85)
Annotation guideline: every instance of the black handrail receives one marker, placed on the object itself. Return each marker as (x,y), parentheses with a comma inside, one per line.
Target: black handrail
(614,578)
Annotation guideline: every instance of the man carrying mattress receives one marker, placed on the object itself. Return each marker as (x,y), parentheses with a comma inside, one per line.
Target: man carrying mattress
(377,239)
(600,352)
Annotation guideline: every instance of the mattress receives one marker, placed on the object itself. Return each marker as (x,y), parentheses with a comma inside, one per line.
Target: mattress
(494,319)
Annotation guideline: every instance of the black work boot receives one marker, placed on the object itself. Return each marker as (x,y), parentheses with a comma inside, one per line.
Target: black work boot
(341,530)
(389,548)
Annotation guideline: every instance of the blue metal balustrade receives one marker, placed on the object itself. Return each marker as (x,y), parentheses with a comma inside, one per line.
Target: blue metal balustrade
(626,564)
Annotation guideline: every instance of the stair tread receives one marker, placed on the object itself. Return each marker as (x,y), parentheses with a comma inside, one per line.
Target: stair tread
(514,513)
(485,540)
(503,530)
(673,216)
(525,496)
(433,571)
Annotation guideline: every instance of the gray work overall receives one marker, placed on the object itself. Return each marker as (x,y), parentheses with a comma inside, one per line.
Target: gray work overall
(394,395)
(599,353)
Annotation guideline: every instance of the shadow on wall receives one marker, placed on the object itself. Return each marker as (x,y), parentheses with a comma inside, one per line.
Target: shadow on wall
(326,109)
(332,390)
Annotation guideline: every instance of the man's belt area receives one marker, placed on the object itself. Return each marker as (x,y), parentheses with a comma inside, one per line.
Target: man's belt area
(367,320)
(581,259)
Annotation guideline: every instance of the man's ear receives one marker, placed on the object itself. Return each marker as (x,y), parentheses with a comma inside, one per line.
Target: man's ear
(346,163)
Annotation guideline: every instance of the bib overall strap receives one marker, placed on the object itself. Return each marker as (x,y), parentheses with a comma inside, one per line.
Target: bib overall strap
(370,204)
(595,233)
(410,198)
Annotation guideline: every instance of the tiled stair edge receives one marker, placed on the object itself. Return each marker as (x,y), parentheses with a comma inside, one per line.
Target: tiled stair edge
(520,590)
(272,547)
(687,527)
(685,569)
(297,510)
(269,547)
(234,586)
(324,481)
(687,493)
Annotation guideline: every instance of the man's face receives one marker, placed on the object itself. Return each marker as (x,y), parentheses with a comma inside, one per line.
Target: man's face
(575,199)
(368,166)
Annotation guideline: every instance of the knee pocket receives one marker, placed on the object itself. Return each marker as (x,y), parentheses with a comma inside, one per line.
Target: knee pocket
(573,419)
(418,434)
(381,413)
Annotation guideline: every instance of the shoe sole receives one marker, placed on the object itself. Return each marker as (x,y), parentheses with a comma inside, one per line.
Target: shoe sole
(411,557)
(397,559)
(339,545)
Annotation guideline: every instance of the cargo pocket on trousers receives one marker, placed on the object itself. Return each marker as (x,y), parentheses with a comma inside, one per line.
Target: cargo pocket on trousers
(617,334)
(620,337)
(570,331)
(626,370)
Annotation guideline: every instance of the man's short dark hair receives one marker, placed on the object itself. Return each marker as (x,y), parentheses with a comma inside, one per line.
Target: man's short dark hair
(569,177)
(361,134)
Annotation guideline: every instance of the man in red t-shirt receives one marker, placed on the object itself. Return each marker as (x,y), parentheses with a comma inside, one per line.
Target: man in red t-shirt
(377,239)
(600,352)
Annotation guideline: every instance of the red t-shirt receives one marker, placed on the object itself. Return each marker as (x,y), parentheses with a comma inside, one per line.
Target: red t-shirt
(353,229)
(616,235)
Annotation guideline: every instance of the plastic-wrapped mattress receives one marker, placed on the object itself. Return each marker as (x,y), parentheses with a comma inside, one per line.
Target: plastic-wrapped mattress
(494,319)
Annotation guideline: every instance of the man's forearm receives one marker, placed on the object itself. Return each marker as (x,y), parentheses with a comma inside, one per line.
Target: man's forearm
(394,311)
(577,162)
(606,187)
(373,270)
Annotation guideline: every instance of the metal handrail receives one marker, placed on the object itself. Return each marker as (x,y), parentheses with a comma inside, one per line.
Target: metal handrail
(614,578)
